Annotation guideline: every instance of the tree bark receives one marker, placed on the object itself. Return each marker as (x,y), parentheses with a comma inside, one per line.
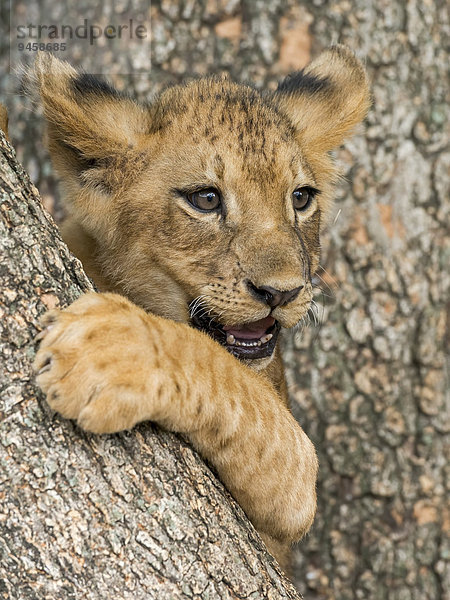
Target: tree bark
(133,515)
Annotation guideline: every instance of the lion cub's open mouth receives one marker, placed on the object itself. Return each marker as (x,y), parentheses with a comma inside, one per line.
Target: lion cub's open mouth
(247,341)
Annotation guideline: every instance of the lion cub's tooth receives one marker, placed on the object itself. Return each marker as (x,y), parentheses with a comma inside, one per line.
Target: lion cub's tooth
(266,338)
(230,339)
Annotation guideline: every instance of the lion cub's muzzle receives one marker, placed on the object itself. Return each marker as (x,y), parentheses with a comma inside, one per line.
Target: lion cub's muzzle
(252,340)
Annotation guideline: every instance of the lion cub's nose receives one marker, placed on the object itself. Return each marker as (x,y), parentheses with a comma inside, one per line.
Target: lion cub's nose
(271,296)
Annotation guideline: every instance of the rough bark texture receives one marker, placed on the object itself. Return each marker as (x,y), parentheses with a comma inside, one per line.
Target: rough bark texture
(134,515)
(369,384)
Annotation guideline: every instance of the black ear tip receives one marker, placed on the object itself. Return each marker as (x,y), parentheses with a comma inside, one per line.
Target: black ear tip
(85,83)
(303,82)
(335,64)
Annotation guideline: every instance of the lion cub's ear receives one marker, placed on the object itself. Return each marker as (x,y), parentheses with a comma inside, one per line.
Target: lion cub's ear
(88,120)
(327,99)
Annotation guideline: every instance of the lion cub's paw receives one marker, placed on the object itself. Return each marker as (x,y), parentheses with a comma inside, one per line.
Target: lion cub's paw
(94,363)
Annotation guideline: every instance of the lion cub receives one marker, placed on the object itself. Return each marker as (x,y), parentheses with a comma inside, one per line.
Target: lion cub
(199,214)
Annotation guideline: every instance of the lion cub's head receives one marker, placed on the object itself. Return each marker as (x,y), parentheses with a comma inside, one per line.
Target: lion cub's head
(206,205)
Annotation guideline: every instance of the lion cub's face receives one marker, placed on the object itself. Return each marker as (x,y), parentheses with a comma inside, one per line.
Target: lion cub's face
(228,213)
(206,206)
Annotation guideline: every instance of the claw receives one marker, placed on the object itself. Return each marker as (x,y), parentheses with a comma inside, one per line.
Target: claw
(42,363)
(41,335)
(45,368)
(49,318)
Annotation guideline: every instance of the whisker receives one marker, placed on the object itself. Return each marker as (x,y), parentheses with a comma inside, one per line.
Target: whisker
(333,280)
(300,327)
(318,317)
(197,304)
(201,313)
(324,283)
(317,287)
(314,313)
(195,301)
(337,216)
(202,310)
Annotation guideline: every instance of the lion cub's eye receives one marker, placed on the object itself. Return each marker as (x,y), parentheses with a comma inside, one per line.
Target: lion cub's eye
(302,197)
(205,200)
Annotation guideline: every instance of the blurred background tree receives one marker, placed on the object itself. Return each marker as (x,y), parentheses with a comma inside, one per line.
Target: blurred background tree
(369,382)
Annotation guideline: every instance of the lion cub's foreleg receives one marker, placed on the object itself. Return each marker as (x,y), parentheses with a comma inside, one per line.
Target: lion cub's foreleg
(106,363)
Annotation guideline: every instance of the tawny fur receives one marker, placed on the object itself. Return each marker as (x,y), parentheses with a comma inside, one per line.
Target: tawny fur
(111,362)
(4,120)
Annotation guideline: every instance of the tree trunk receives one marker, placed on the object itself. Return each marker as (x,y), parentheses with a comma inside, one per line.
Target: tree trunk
(133,515)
